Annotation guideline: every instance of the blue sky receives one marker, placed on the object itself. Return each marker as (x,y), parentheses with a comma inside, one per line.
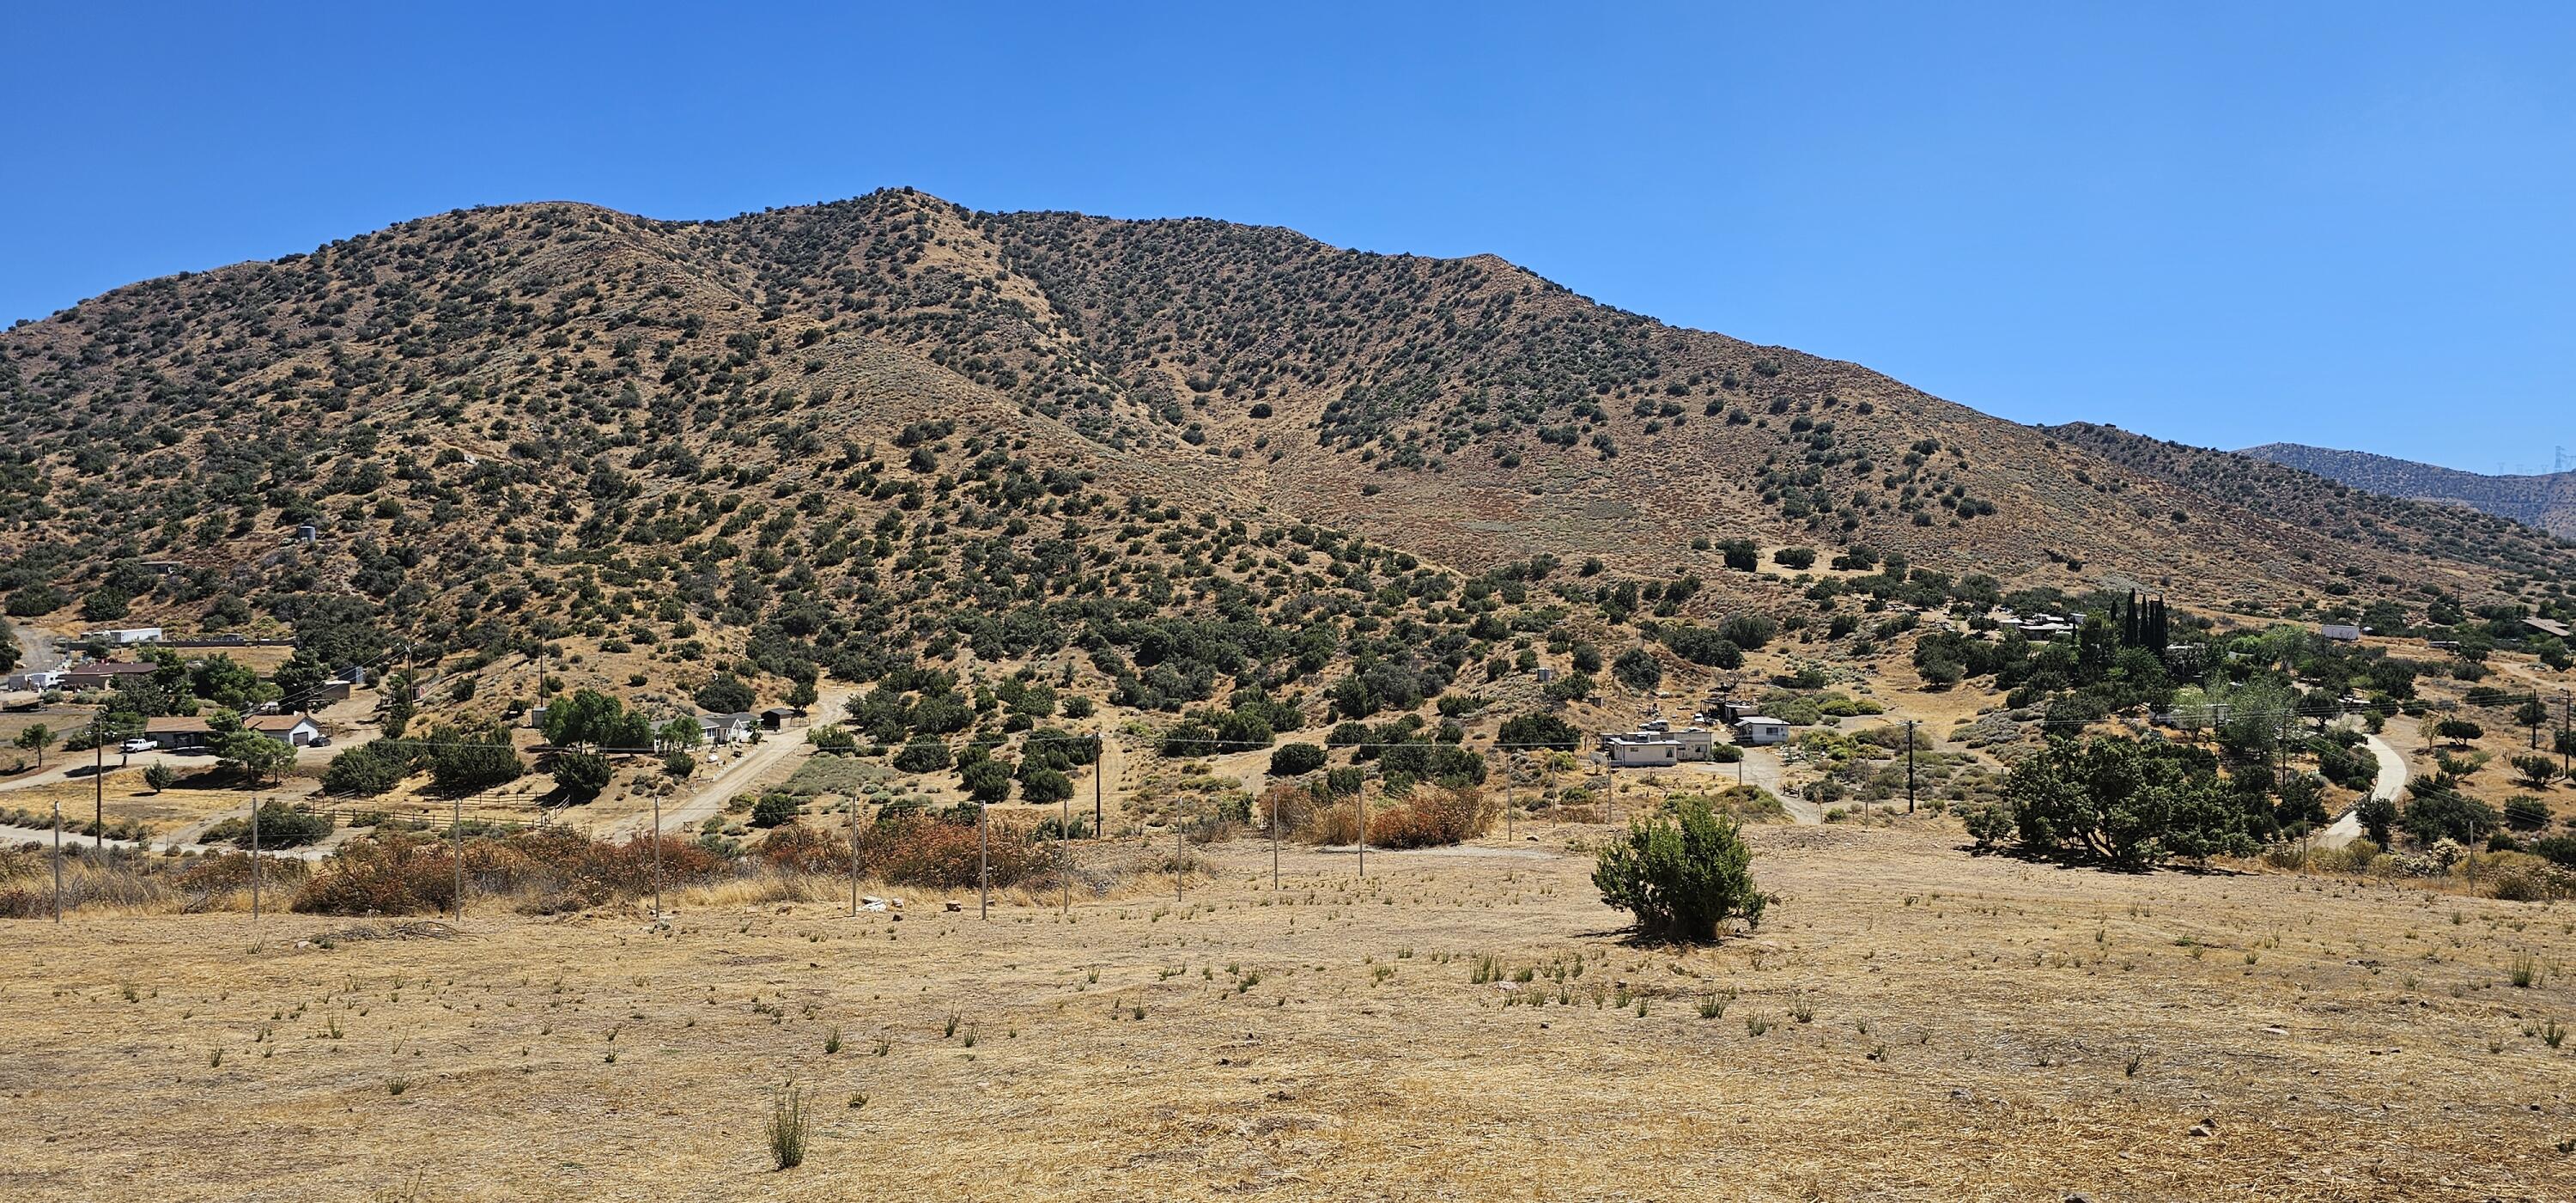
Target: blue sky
(2225,224)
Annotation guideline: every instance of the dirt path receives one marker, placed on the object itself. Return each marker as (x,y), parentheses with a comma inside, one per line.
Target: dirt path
(731,780)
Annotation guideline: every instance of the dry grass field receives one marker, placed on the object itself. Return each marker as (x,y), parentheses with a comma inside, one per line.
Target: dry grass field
(1909,1023)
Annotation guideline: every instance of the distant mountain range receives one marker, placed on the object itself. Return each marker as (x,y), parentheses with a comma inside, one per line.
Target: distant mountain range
(2545,501)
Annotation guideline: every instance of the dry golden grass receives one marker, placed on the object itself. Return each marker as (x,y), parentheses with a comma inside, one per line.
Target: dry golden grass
(1972,1029)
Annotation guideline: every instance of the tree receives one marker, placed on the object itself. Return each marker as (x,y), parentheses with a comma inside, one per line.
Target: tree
(2377,815)
(773,810)
(2522,812)
(679,764)
(682,732)
(160,776)
(2125,803)
(922,756)
(1636,668)
(986,780)
(1041,785)
(1682,875)
(2537,770)
(586,718)
(1795,559)
(581,774)
(365,771)
(471,759)
(36,739)
(1295,760)
(1538,729)
(1749,631)
(725,694)
(254,755)
(2458,731)
(2438,814)
(2533,714)
(1703,645)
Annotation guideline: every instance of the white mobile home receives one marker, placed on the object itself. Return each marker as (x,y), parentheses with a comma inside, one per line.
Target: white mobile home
(1759,729)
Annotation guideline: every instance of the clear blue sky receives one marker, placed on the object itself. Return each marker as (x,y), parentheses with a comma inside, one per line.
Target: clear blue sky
(2341,224)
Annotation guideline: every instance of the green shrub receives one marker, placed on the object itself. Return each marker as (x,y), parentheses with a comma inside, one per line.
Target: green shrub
(773,810)
(1681,875)
(1294,760)
(581,774)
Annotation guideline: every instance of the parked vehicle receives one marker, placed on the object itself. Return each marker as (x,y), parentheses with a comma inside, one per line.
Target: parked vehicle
(133,746)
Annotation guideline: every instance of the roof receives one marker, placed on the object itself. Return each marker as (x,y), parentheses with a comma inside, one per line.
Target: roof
(275,722)
(110,668)
(782,710)
(1750,719)
(2547,626)
(725,720)
(175,726)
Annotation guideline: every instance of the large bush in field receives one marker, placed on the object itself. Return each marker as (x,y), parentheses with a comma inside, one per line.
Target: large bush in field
(1682,875)
(2125,803)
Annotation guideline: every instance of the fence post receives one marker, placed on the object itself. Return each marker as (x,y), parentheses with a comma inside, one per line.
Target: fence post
(254,858)
(657,858)
(58,860)
(983,862)
(456,825)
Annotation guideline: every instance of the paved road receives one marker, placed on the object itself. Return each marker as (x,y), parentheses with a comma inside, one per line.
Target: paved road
(2390,785)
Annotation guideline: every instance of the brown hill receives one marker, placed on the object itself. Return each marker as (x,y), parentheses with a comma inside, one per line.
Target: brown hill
(889,424)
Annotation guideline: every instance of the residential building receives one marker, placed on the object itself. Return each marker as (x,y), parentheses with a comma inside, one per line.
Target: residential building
(293,730)
(2340,632)
(104,674)
(126,636)
(177,734)
(1631,752)
(722,729)
(1755,729)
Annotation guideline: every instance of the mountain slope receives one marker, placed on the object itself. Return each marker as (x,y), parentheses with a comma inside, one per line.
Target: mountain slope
(2544,501)
(555,442)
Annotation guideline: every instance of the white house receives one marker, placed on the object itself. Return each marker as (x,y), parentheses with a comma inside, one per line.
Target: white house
(39,681)
(1630,752)
(126,636)
(1757,729)
(1697,743)
(293,730)
(726,728)
(2340,632)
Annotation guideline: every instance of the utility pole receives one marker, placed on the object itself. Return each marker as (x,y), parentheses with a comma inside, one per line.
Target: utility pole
(1176,856)
(1099,768)
(1909,766)
(657,857)
(854,858)
(983,862)
(456,825)
(1063,832)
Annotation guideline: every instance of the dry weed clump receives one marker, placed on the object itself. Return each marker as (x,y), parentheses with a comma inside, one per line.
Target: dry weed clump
(1427,816)
(124,880)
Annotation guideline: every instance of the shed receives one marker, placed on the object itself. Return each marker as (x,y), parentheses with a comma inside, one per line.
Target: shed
(2340,632)
(776,718)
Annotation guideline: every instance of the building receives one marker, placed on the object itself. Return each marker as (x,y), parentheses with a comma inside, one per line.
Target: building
(2548,626)
(293,730)
(776,718)
(1755,729)
(1697,743)
(104,674)
(1631,752)
(126,636)
(39,681)
(722,729)
(2340,632)
(176,734)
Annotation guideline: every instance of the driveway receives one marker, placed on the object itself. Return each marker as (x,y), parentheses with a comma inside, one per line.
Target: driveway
(2391,785)
(730,780)
(1762,766)
(36,649)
